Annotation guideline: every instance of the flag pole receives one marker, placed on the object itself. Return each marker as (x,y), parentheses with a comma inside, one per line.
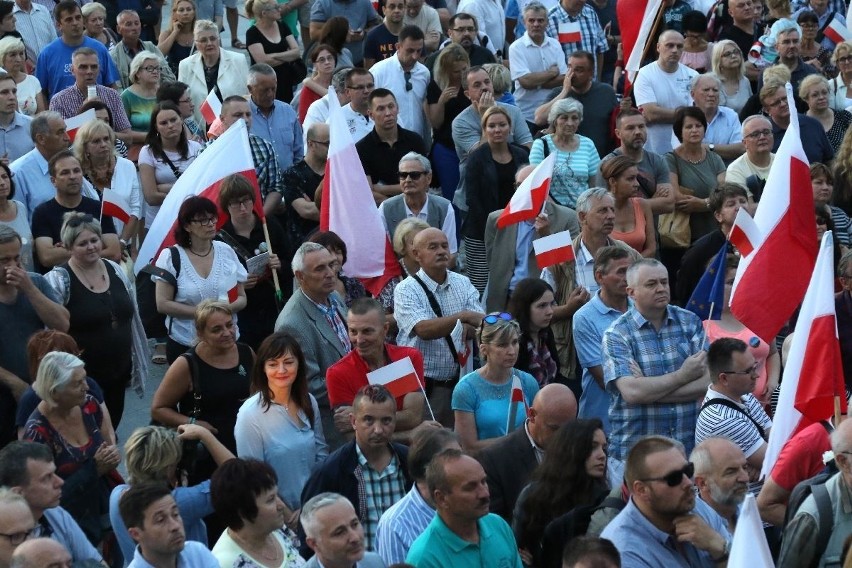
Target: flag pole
(429,406)
(649,44)
(836,410)
(101,216)
(278,295)
(710,316)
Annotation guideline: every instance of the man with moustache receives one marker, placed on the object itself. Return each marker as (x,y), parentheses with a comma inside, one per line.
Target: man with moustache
(721,476)
(663,524)
(463,533)
(335,534)
(153,520)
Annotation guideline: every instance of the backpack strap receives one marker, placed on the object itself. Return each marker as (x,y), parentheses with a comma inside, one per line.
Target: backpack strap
(734,406)
(825,513)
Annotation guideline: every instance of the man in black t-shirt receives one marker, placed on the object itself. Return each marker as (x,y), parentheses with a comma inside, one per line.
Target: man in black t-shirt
(67,177)
(301,182)
(381,40)
(743,31)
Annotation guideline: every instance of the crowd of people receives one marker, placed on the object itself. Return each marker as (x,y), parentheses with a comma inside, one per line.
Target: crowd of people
(570,415)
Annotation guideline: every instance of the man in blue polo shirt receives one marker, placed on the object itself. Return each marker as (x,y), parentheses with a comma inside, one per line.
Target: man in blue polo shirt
(463,533)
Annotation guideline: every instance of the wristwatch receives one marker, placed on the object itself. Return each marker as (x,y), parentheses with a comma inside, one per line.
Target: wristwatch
(712,147)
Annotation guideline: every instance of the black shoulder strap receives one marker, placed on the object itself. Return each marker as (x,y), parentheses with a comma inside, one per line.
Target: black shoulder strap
(734,406)
(191,359)
(826,515)
(433,302)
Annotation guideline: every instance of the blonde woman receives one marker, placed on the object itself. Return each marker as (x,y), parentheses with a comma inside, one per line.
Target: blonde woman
(501,81)
(13,58)
(842,197)
(94,18)
(729,67)
(842,59)
(815,91)
(270,41)
(176,40)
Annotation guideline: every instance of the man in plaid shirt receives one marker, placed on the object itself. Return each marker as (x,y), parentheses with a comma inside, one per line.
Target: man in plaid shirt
(576,27)
(655,367)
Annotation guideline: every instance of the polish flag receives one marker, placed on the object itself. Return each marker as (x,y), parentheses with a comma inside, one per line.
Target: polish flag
(211,108)
(569,32)
(464,348)
(349,210)
(553,249)
(115,205)
(229,154)
(516,396)
(529,198)
(399,377)
(749,544)
(772,279)
(636,21)
(837,31)
(744,234)
(73,124)
(813,375)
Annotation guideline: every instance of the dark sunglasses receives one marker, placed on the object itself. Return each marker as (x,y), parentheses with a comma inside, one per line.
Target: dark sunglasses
(491,319)
(413,175)
(78,220)
(674,478)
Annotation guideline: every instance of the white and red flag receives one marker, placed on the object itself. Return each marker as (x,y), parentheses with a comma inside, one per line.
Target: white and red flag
(115,205)
(211,108)
(772,279)
(399,377)
(229,154)
(636,20)
(528,200)
(837,31)
(744,233)
(749,546)
(553,249)
(569,32)
(813,375)
(515,398)
(73,124)
(348,208)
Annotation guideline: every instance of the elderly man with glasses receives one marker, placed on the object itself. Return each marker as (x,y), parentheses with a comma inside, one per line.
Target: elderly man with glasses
(773,97)
(16,524)
(752,168)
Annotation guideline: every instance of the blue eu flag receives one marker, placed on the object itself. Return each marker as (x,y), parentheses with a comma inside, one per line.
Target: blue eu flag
(710,289)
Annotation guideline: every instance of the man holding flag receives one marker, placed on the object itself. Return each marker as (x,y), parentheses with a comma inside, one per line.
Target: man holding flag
(368,328)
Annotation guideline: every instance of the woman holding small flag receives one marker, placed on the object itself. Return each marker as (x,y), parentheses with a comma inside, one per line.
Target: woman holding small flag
(104,318)
(492,401)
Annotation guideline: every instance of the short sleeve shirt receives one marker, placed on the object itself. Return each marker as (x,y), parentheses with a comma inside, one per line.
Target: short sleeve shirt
(491,404)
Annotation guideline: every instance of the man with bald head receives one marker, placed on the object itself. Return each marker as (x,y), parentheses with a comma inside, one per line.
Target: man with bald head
(721,476)
(16,524)
(41,553)
(511,460)
(428,329)
(661,87)
(752,168)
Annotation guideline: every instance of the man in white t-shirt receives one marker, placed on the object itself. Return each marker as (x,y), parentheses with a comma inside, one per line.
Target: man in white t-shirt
(359,85)
(758,157)
(660,88)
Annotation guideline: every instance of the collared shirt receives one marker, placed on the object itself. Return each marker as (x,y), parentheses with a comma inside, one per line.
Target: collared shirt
(592,38)
(818,148)
(411,307)
(32,182)
(590,322)
(632,338)
(838,6)
(282,129)
(359,124)
(409,88)
(15,139)
(642,544)
(539,452)
(58,524)
(53,67)
(448,226)
(381,490)
(266,165)
(725,128)
(69,100)
(585,271)
(193,555)
(36,28)
(523,246)
(440,547)
(525,57)
(400,526)
(332,316)
(381,160)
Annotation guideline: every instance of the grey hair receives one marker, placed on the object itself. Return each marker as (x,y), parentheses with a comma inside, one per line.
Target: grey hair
(752,118)
(405,228)
(68,234)
(124,13)
(87,9)
(10,497)
(54,372)
(634,268)
(534,6)
(8,234)
(139,60)
(584,202)
(9,44)
(338,80)
(701,456)
(565,106)
(40,123)
(204,26)
(298,263)
(259,69)
(415,157)
(697,79)
(309,510)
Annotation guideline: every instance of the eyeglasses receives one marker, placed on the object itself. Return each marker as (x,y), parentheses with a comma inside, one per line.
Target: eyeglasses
(408,85)
(320,142)
(207,221)
(778,103)
(466,29)
(78,220)
(248,203)
(412,175)
(151,69)
(187,100)
(750,371)
(211,39)
(845,59)
(674,478)
(17,538)
(368,87)
(758,133)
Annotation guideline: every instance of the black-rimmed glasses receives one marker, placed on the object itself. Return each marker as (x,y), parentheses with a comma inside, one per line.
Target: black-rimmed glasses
(750,371)
(411,175)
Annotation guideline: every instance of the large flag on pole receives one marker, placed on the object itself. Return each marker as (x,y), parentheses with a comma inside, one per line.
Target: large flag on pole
(813,375)
(636,21)
(749,546)
(229,154)
(772,279)
(349,210)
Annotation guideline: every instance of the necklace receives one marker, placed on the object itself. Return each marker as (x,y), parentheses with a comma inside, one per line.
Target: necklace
(271,559)
(104,297)
(88,282)
(199,255)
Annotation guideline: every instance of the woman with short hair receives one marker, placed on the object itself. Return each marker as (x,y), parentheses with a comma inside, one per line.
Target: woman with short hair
(13,58)
(94,20)
(816,91)
(140,98)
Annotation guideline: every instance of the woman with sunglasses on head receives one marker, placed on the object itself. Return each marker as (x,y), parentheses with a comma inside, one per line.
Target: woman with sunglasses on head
(572,474)
(105,321)
(482,400)
(208,270)
(532,303)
